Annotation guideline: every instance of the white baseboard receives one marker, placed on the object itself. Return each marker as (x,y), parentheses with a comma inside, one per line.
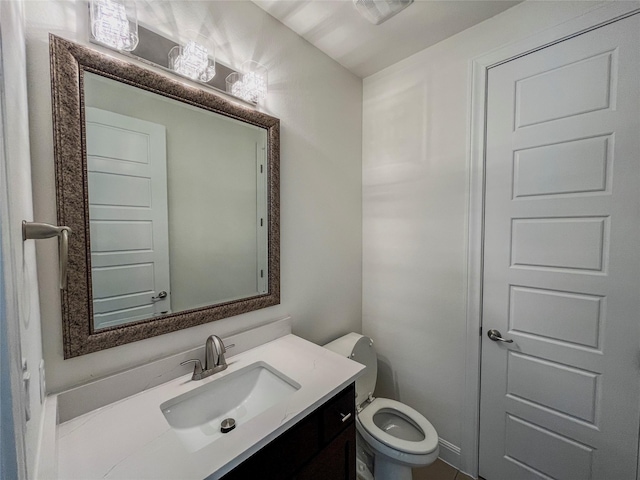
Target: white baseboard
(449,453)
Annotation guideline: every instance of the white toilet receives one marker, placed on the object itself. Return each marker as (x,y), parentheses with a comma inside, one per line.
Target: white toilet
(398,436)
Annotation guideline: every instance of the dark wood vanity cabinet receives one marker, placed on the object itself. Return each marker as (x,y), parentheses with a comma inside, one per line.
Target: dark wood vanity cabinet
(321,446)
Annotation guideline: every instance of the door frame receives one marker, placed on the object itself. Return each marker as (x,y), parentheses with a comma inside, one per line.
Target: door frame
(599,16)
(14,458)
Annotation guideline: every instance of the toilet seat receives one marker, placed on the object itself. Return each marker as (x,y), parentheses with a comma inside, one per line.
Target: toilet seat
(423,447)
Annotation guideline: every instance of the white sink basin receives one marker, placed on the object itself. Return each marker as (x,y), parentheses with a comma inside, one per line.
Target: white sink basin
(196,415)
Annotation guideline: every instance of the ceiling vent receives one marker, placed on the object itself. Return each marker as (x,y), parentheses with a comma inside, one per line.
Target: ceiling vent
(378,11)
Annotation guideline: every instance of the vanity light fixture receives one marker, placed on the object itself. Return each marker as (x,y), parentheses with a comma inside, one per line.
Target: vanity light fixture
(193,60)
(114,23)
(251,84)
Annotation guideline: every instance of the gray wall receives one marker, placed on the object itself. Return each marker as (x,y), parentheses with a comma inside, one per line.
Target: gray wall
(319,104)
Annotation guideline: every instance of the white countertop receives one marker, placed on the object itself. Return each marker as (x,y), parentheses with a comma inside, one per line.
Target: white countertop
(131,438)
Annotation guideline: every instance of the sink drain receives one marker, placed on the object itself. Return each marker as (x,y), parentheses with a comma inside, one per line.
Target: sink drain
(227,425)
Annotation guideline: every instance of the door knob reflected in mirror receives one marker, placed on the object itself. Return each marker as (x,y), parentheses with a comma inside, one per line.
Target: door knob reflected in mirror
(496,336)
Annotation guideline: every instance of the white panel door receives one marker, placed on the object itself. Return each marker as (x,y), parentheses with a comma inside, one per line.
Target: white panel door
(562,261)
(127,172)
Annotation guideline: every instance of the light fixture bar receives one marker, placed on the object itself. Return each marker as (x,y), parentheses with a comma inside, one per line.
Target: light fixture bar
(153,49)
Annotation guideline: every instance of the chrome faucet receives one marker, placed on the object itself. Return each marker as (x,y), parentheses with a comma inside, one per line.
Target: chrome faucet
(214,360)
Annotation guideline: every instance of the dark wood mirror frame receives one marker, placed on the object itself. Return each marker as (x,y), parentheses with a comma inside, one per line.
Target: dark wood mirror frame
(69,62)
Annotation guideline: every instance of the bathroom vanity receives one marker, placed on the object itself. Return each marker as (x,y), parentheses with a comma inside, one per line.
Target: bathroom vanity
(320,446)
(293,402)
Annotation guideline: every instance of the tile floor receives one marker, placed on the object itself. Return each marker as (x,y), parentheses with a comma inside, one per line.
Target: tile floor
(439,470)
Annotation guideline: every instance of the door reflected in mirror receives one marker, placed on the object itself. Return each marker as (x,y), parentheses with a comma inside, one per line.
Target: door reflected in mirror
(177,204)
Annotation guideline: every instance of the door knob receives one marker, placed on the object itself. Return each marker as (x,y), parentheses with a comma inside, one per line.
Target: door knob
(496,336)
(162,295)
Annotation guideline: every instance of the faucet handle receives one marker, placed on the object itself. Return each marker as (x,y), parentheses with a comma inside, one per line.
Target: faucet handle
(222,362)
(197,368)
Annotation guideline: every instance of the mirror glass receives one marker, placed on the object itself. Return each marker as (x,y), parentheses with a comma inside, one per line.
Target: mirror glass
(177,204)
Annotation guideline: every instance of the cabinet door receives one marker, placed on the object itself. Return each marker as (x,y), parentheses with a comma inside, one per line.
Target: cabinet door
(337,413)
(337,461)
(280,459)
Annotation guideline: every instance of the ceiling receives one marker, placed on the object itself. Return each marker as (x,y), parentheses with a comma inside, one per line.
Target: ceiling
(336,28)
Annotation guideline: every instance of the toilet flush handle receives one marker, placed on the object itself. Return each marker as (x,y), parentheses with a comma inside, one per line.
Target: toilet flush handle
(345,417)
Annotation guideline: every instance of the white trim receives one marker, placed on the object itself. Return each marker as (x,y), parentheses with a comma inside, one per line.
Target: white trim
(449,453)
(471,409)
(479,67)
(47,456)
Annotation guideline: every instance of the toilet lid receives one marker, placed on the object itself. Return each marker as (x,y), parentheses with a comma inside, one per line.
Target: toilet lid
(422,447)
(360,349)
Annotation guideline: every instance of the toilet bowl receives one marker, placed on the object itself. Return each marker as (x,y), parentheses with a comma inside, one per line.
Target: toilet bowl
(398,437)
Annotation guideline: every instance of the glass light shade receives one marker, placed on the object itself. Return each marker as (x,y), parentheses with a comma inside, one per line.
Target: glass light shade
(114,23)
(193,60)
(255,79)
(235,85)
(251,84)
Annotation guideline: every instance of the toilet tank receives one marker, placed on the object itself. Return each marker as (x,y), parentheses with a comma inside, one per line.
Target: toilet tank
(360,349)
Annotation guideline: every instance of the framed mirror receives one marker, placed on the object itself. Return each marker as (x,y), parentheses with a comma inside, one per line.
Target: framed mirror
(172,195)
